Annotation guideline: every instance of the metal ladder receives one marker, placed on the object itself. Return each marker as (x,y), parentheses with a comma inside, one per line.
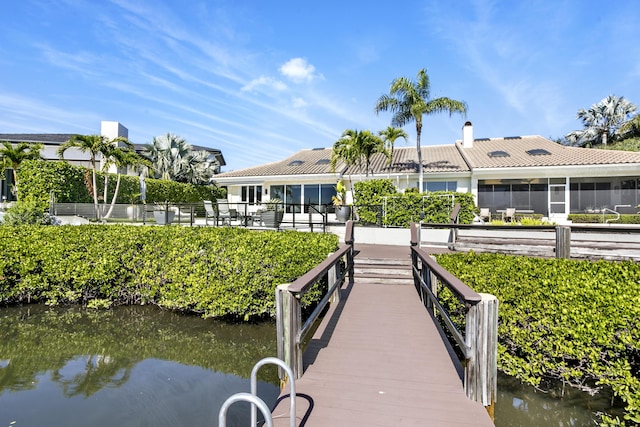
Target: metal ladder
(258,403)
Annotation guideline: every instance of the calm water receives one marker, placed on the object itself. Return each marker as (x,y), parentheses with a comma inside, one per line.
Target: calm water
(130,366)
(140,366)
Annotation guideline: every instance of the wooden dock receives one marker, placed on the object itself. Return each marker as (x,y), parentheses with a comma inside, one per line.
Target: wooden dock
(377,359)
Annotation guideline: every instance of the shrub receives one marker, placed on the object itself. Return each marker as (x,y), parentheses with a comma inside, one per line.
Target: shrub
(215,272)
(598,218)
(27,211)
(368,196)
(39,179)
(378,202)
(572,321)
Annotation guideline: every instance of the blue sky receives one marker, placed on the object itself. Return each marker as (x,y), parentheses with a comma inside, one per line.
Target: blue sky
(260,80)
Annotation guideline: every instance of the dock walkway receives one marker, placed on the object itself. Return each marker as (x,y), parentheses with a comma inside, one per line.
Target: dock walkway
(377,359)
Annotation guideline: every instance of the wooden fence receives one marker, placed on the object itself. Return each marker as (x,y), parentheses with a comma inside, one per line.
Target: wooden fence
(577,241)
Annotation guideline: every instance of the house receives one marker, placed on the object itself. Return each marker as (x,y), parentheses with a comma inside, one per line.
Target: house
(51,143)
(528,173)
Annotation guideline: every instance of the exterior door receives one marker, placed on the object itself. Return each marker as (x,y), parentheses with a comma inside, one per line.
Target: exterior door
(558,201)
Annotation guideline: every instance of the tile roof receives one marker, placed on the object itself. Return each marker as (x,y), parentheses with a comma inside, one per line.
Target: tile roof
(559,155)
(304,162)
(522,151)
(60,138)
(45,138)
(440,158)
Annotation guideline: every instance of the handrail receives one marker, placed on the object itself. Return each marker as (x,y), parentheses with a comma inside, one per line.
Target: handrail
(479,342)
(291,332)
(463,292)
(580,227)
(302,284)
(244,397)
(605,210)
(292,388)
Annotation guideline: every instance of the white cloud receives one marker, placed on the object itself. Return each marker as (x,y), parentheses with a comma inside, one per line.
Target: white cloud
(298,70)
(264,81)
(299,103)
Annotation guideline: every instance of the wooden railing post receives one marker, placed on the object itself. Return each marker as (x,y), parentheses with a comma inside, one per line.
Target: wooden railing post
(349,239)
(432,282)
(332,276)
(288,324)
(481,368)
(563,241)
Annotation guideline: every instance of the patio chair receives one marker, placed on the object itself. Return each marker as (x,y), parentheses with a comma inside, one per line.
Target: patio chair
(485,214)
(509,214)
(224,213)
(209,212)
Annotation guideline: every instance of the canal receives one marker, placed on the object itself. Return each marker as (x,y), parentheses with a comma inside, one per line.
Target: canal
(142,366)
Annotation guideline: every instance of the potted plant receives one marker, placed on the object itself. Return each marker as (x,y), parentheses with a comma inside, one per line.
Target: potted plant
(163,213)
(274,213)
(134,212)
(343,211)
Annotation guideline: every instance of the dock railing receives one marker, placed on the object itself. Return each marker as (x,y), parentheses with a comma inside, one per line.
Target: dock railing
(290,329)
(479,341)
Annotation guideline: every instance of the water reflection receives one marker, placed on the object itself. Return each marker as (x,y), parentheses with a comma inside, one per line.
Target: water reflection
(141,366)
(519,405)
(127,366)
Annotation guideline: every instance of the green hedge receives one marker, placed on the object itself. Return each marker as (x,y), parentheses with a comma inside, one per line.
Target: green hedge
(39,178)
(572,321)
(378,202)
(597,218)
(216,272)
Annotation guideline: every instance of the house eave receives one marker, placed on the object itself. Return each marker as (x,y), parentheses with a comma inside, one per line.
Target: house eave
(578,171)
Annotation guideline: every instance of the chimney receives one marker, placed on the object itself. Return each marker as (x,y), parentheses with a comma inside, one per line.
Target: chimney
(467,135)
(113,130)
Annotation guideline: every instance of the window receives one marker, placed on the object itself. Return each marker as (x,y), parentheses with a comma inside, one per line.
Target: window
(441,186)
(538,152)
(296,163)
(319,195)
(528,194)
(498,153)
(251,194)
(291,195)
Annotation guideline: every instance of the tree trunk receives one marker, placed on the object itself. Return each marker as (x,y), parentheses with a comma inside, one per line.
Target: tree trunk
(420,179)
(95,193)
(105,192)
(113,200)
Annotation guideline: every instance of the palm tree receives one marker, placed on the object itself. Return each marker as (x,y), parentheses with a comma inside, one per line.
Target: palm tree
(113,153)
(345,150)
(12,156)
(370,144)
(173,158)
(356,147)
(195,168)
(389,136)
(602,122)
(119,156)
(409,100)
(92,144)
(631,129)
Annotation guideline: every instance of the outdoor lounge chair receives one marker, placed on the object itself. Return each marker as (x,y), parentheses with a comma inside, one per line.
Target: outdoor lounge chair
(485,214)
(510,214)
(209,212)
(224,213)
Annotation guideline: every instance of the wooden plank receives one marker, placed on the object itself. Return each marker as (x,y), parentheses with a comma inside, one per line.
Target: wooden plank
(378,360)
